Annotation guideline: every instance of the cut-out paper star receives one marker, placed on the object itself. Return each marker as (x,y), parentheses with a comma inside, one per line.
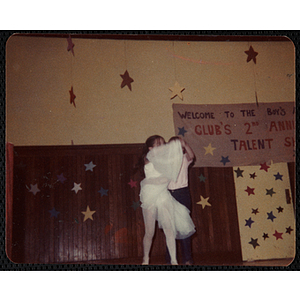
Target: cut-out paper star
(254,243)
(103,192)
(278,176)
(251,54)
(271,216)
(255,211)
(202,178)
(88,214)
(34,189)
(76,187)
(252,176)
(209,149)
(135,205)
(176,91)
(53,212)
(181,131)
(90,166)
(239,172)
(70,45)
(278,235)
(280,209)
(72,97)
(204,202)
(224,160)
(264,167)
(132,183)
(265,236)
(61,178)
(289,230)
(249,222)
(127,80)
(250,191)
(270,192)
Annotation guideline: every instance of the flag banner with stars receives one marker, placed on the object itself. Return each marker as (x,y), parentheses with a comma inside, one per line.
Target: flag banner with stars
(246,134)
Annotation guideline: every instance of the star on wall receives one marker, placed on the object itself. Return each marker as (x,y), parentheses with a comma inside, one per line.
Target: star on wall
(182,131)
(90,166)
(135,205)
(249,222)
(176,91)
(271,216)
(278,235)
(53,212)
(264,167)
(254,243)
(209,149)
(127,80)
(76,187)
(72,97)
(70,45)
(255,211)
(250,191)
(289,230)
(270,192)
(61,178)
(204,202)
(280,209)
(224,160)
(103,192)
(251,54)
(88,214)
(278,176)
(202,178)
(265,236)
(239,172)
(132,183)
(252,176)
(34,189)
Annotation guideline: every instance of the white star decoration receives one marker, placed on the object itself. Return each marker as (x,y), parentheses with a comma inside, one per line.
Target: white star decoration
(89,166)
(76,187)
(176,91)
(204,202)
(34,189)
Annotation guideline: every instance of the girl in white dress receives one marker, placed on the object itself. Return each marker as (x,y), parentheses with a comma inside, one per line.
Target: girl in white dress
(161,165)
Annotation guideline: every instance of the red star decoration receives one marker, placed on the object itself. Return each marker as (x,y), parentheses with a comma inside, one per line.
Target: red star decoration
(253,175)
(250,191)
(126,80)
(72,97)
(278,235)
(264,167)
(251,54)
(289,230)
(70,45)
(132,183)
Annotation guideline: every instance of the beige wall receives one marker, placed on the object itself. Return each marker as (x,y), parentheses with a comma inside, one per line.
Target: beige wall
(40,72)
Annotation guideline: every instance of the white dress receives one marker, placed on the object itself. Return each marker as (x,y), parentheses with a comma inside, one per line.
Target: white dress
(164,165)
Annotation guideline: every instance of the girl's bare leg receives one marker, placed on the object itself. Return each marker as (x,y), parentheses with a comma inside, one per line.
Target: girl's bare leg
(149,221)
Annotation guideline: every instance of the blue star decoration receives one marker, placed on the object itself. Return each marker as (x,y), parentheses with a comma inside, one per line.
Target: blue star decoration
(271,216)
(249,222)
(103,192)
(90,166)
(135,205)
(224,160)
(239,172)
(202,178)
(278,176)
(254,243)
(182,131)
(61,178)
(54,212)
(270,192)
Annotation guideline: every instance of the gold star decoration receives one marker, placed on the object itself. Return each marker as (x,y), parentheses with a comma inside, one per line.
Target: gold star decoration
(176,90)
(88,214)
(209,149)
(204,202)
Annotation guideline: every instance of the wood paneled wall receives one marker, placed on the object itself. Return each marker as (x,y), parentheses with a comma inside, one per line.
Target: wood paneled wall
(117,228)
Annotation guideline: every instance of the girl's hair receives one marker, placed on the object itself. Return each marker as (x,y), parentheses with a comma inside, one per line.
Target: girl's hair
(174,138)
(149,143)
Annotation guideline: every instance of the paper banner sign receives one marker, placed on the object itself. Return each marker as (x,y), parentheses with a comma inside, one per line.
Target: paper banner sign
(228,135)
